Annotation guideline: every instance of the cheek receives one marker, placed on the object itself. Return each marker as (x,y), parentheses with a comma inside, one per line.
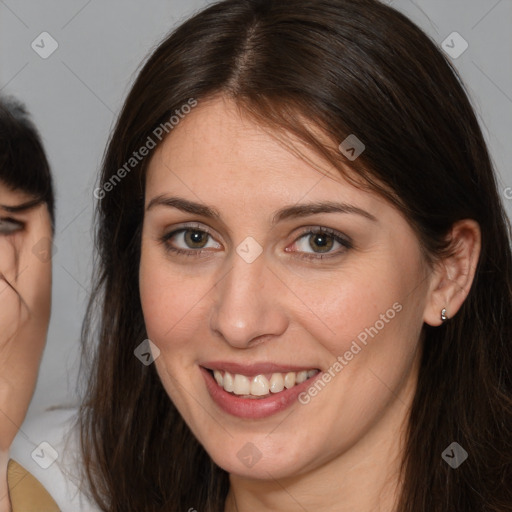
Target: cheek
(369,325)
(359,304)
(170,300)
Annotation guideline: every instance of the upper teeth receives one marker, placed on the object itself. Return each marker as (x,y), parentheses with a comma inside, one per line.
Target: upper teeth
(260,385)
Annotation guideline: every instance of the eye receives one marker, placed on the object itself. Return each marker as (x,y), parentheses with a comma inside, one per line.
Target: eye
(321,242)
(189,241)
(9,226)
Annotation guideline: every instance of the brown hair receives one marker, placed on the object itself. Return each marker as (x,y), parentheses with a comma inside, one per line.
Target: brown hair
(348,67)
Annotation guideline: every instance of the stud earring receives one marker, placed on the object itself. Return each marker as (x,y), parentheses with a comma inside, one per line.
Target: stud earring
(443,315)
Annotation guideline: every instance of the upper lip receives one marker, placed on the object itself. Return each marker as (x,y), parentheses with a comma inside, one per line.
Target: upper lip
(254,368)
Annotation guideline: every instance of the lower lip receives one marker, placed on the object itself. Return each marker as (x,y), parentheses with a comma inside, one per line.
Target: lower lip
(254,408)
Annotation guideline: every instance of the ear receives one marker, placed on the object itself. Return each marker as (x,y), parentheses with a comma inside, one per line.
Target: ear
(454,274)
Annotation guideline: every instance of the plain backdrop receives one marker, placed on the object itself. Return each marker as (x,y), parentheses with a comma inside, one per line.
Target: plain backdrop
(75,94)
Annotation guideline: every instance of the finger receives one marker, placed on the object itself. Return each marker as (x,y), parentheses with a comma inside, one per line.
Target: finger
(9,258)
(33,279)
(9,300)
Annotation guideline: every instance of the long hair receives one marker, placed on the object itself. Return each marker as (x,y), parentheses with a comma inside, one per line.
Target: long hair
(346,67)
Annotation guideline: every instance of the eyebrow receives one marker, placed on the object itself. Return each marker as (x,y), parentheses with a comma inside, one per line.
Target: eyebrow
(304,210)
(21,207)
(184,205)
(294,211)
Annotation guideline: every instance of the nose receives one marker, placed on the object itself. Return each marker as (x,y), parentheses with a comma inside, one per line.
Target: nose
(246,309)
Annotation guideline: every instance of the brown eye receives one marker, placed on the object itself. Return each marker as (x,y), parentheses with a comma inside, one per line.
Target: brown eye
(321,242)
(190,240)
(196,239)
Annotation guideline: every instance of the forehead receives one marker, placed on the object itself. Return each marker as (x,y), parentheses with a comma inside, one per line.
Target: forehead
(217,153)
(11,197)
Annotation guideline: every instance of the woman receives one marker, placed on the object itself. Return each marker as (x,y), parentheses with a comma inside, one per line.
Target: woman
(298,209)
(26,232)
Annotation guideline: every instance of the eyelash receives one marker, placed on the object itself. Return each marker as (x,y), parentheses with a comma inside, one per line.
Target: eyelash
(16,226)
(343,240)
(190,252)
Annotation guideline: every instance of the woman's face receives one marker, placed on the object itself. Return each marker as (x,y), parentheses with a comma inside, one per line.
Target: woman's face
(25,297)
(258,271)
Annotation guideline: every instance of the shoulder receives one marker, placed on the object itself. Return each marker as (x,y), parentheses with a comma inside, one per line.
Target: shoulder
(26,492)
(47,447)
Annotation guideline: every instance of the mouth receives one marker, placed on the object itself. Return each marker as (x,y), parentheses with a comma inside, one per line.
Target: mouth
(256,391)
(260,386)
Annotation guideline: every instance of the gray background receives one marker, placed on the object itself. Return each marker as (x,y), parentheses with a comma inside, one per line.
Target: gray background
(75,93)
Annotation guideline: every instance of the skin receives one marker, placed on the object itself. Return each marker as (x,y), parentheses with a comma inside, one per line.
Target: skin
(341,451)
(23,324)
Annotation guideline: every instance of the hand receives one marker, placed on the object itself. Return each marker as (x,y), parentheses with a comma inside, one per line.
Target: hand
(25,297)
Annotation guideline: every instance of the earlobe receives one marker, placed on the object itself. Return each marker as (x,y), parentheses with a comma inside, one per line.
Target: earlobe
(454,274)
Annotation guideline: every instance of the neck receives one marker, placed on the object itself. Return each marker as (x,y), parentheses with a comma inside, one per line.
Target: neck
(5,503)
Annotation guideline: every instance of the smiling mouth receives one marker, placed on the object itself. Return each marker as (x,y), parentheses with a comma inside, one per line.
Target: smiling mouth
(260,386)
